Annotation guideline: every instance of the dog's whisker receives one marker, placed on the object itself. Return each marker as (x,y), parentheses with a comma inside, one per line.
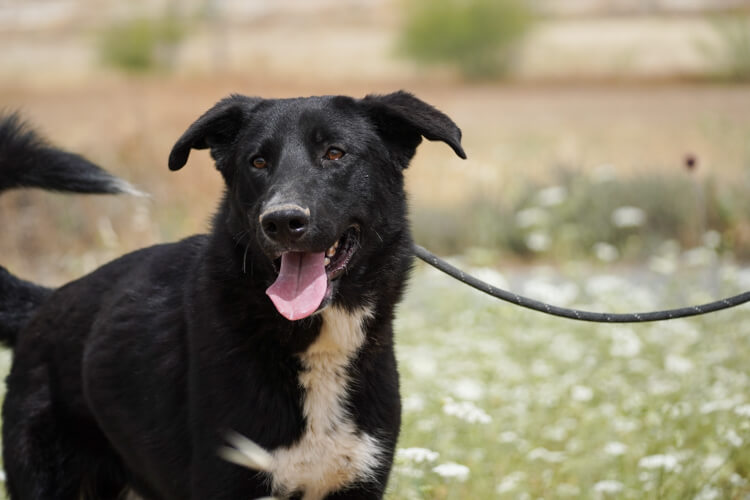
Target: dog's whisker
(238,237)
(244,261)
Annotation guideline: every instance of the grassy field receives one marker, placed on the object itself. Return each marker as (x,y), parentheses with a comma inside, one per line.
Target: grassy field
(498,402)
(505,403)
(502,403)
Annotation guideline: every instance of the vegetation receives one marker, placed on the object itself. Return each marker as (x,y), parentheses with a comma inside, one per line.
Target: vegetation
(479,37)
(596,215)
(500,402)
(142,44)
(730,53)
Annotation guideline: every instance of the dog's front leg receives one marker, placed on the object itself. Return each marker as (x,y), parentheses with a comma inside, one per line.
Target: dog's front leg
(217,479)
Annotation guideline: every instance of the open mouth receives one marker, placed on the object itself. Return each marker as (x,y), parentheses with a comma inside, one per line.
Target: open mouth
(304,281)
(340,253)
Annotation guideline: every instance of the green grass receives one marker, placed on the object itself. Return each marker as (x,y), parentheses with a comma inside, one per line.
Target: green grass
(479,37)
(573,215)
(142,44)
(550,408)
(531,406)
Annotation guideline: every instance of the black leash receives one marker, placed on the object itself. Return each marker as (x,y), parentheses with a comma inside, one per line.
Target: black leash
(563,312)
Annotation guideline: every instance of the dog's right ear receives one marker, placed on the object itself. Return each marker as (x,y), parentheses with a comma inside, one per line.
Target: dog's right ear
(217,127)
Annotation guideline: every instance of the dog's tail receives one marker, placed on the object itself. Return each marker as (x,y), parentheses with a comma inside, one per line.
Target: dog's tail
(27,160)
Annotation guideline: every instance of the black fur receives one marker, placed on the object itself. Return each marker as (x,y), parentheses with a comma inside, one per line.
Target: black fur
(132,376)
(27,160)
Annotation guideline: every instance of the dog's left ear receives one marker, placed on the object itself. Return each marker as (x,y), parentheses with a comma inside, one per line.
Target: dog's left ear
(215,129)
(403,120)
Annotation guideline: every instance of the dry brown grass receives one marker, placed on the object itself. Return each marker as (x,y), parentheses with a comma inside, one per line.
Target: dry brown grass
(510,133)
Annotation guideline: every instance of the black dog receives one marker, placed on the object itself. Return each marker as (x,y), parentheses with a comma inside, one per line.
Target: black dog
(275,326)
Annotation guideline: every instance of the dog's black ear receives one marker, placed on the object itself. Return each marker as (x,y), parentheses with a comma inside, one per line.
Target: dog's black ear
(217,127)
(403,120)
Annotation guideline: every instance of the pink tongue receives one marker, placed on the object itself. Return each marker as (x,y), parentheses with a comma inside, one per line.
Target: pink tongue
(301,285)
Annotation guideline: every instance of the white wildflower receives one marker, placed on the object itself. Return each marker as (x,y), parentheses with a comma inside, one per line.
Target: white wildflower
(555,433)
(737,480)
(743,278)
(712,463)
(540,368)
(413,403)
(566,348)
(658,386)
(717,405)
(711,239)
(743,411)
(538,241)
(551,196)
(608,486)
(615,448)
(665,265)
(606,252)
(606,284)
(409,471)
(491,276)
(427,424)
(667,462)
(422,364)
(678,364)
(698,257)
(531,217)
(624,425)
(510,482)
(546,455)
(452,470)
(645,476)
(417,455)
(562,294)
(581,393)
(625,343)
(628,217)
(733,438)
(508,437)
(468,389)
(466,411)
(708,493)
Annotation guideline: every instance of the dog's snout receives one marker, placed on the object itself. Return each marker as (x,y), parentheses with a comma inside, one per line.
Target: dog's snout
(285,223)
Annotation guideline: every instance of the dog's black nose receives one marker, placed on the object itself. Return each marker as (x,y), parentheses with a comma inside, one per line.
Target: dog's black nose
(285,223)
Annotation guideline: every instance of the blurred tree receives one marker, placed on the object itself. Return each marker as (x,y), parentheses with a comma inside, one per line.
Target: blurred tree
(142,44)
(479,37)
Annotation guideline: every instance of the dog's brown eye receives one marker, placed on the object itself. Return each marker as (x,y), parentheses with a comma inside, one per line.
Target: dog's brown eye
(334,154)
(259,162)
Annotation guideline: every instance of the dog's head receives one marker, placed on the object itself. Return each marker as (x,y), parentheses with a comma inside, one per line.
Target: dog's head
(315,185)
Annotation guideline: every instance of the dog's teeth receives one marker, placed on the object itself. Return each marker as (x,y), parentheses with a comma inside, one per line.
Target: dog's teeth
(326,261)
(336,245)
(331,252)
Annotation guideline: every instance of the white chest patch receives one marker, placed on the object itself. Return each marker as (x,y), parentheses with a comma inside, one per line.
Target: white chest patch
(331,453)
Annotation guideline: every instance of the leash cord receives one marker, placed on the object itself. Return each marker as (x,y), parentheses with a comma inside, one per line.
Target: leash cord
(563,312)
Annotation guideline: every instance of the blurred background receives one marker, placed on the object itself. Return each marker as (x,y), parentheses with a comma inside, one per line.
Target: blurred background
(596,129)
(609,168)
